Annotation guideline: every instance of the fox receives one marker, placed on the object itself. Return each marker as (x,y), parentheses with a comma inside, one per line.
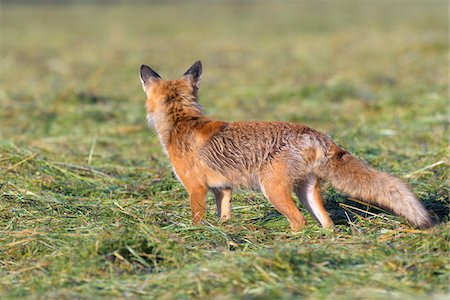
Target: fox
(277,158)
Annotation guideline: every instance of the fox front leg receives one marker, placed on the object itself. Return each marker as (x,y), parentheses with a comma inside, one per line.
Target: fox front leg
(223,203)
(197,199)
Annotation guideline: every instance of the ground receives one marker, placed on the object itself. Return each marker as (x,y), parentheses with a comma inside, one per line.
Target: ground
(90,208)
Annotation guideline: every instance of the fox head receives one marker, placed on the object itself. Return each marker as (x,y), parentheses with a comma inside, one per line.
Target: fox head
(164,95)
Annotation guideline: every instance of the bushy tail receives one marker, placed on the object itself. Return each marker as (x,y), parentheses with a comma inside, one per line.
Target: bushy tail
(351,176)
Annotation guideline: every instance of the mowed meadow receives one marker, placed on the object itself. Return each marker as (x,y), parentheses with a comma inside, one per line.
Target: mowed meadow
(90,208)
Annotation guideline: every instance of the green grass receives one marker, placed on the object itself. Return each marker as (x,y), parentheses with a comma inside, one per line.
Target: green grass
(89,207)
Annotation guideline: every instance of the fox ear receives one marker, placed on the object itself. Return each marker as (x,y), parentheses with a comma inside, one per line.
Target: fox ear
(147,76)
(194,74)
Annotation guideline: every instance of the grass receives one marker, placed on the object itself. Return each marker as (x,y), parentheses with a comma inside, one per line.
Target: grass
(89,207)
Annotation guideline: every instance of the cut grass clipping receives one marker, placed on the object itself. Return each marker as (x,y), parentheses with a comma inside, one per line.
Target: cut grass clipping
(89,207)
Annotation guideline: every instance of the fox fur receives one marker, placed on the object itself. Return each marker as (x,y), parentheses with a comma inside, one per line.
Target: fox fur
(275,157)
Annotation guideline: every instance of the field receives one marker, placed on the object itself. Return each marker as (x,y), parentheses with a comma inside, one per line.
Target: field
(90,208)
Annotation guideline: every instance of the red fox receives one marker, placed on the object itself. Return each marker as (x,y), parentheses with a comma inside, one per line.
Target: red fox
(275,157)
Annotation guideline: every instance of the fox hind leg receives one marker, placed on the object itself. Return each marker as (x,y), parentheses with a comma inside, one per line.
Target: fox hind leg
(223,203)
(278,190)
(308,192)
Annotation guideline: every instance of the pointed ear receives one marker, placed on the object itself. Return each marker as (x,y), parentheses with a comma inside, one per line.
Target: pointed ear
(147,76)
(194,74)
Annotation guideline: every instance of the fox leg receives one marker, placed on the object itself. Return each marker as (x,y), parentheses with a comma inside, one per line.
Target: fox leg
(277,188)
(308,192)
(197,198)
(223,203)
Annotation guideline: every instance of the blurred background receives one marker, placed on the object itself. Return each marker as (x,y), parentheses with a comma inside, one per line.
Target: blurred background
(370,71)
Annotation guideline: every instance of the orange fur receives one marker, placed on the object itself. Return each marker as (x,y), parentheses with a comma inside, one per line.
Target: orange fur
(276,157)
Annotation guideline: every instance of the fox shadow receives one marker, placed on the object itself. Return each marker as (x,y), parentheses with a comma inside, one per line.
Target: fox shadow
(344,211)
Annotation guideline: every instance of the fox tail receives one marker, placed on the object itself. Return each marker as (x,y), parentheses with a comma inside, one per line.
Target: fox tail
(351,176)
